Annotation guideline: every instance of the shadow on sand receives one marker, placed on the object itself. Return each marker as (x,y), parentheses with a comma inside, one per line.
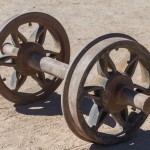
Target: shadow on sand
(140,141)
(49,107)
(52,107)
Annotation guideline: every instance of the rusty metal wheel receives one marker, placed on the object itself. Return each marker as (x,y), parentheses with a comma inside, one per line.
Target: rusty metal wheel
(87,104)
(25,34)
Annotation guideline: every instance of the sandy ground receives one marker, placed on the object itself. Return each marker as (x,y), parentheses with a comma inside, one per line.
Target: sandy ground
(41,126)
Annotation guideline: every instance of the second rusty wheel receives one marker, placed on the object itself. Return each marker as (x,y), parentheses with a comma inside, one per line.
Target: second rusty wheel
(87,105)
(23,35)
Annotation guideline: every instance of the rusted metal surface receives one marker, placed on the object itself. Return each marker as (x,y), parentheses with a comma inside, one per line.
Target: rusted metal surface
(112,88)
(106,94)
(120,93)
(18,49)
(110,93)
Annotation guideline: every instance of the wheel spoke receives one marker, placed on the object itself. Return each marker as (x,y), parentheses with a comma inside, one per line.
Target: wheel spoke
(99,69)
(18,38)
(96,117)
(141,89)
(144,73)
(132,64)
(97,81)
(111,64)
(9,58)
(39,35)
(103,68)
(40,78)
(17,80)
(106,66)
(133,119)
(22,37)
(92,88)
(130,120)
(94,97)
(121,117)
(95,89)
(15,40)
(51,53)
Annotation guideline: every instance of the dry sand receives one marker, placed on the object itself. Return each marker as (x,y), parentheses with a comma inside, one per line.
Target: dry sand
(44,128)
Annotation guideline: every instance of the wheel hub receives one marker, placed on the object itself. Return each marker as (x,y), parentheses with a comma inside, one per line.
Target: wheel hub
(113,86)
(26,50)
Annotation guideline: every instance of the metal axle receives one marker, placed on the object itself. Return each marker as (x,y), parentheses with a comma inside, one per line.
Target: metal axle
(119,92)
(40,63)
(123,96)
(134,99)
(48,65)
